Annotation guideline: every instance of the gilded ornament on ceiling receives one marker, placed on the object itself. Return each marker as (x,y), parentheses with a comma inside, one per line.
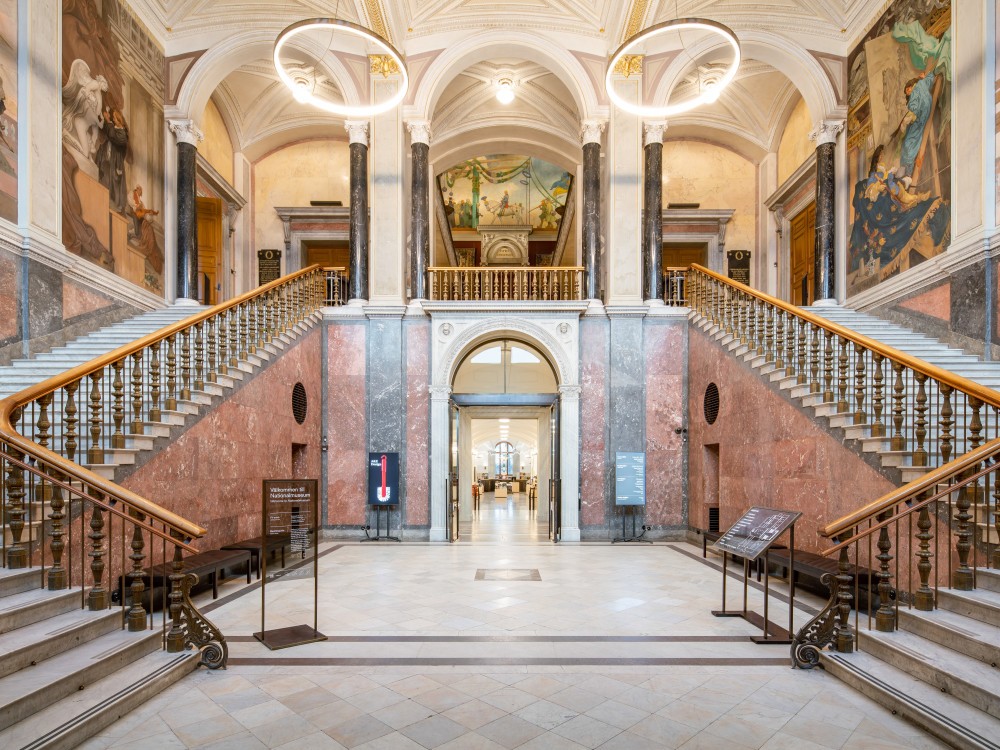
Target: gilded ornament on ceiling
(383,64)
(629,65)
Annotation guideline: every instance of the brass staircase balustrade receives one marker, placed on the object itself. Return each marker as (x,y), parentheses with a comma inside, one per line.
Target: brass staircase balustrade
(91,411)
(505,283)
(941,427)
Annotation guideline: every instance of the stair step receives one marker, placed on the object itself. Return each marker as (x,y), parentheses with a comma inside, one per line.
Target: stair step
(951,672)
(41,640)
(988,579)
(944,716)
(981,604)
(18,581)
(33,688)
(28,607)
(68,722)
(963,634)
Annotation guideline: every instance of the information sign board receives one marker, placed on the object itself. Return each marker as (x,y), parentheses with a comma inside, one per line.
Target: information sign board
(630,478)
(383,479)
(268,266)
(739,265)
(750,537)
(290,511)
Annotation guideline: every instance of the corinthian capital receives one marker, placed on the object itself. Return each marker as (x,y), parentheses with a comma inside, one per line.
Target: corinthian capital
(420,131)
(826,131)
(590,131)
(653,131)
(185,131)
(357,131)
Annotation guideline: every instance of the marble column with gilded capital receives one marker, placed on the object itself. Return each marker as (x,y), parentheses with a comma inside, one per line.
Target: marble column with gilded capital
(825,135)
(591,226)
(652,212)
(188,137)
(420,207)
(357,133)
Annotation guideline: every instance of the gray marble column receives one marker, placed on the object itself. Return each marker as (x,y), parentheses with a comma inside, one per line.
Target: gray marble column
(357,131)
(188,136)
(591,227)
(652,213)
(825,135)
(420,207)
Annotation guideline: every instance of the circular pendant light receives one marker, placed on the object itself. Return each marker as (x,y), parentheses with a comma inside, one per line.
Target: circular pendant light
(302,90)
(707,95)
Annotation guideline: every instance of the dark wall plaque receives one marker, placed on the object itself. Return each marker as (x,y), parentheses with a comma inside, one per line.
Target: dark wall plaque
(268,266)
(630,478)
(755,532)
(739,265)
(383,479)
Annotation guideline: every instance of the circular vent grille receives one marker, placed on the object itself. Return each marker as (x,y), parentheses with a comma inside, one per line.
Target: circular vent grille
(711,403)
(299,403)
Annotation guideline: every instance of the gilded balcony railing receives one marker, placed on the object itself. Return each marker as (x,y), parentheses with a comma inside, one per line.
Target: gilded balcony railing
(503,283)
(941,430)
(53,435)
(675,287)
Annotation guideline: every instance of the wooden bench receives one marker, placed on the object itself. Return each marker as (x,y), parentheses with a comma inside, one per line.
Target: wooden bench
(815,566)
(259,546)
(211,564)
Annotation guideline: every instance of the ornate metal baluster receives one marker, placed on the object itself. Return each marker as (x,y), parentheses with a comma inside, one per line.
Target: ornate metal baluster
(946,422)
(898,442)
(118,407)
(234,324)
(828,368)
(790,339)
(244,324)
(751,310)
(185,365)
(43,489)
(814,384)
(923,597)
(254,328)
(860,381)
(843,638)
(769,333)
(878,399)
(963,577)
(70,420)
(96,453)
(138,428)
(136,613)
(97,599)
(842,364)
(17,552)
(779,340)
(996,515)
(885,617)
(199,358)
(211,348)
(803,350)
(154,382)
(920,422)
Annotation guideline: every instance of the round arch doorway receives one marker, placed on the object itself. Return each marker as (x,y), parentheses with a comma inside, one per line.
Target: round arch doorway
(502,443)
(492,367)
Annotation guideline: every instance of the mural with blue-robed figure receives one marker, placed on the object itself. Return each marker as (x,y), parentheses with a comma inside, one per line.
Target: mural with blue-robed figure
(899,142)
(504,190)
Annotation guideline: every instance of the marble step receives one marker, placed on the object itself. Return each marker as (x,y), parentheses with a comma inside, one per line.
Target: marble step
(971,637)
(33,688)
(981,604)
(951,672)
(70,721)
(18,581)
(988,579)
(29,607)
(949,719)
(39,641)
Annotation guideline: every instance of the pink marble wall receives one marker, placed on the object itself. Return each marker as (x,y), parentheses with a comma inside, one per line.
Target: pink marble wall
(417,336)
(936,302)
(593,402)
(77,300)
(212,473)
(665,355)
(347,456)
(9,283)
(770,453)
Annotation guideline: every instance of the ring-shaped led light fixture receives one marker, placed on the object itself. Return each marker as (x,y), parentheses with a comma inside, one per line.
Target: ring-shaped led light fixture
(346,27)
(677,24)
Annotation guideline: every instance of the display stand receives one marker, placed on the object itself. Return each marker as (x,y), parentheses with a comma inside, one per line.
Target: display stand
(383,494)
(379,536)
(750,538)
(290,507)
(630,511)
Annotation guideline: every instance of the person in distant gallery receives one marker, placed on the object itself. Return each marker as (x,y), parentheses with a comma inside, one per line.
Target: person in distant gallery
(145,236)
(111,157)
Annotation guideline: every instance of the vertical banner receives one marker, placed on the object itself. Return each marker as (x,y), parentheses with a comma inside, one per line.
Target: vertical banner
(383,479)
(630,478)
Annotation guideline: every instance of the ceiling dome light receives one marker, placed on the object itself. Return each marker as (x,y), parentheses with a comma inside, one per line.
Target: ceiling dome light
(302,90)
(707,94)
(335,25)
(505,91)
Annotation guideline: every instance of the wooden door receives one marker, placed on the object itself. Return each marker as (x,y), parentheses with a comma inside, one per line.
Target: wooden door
(328,254)
(682,255)
(802,266)
(210,277)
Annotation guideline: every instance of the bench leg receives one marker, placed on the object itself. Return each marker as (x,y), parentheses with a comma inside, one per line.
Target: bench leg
(257,558)
(215,584)
(282,555)
(249,568)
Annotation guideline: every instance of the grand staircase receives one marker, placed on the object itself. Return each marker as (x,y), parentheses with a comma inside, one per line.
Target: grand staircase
(937,668)
(76,651)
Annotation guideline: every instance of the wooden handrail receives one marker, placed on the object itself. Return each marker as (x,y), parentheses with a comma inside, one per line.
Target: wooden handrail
(541,269)
(971,388)
(54,462)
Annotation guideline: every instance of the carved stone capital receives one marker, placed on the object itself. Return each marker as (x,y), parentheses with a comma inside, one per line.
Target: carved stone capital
(185,131)
(826,131)
(653,131)
(420,131)
(440,392)
(357,131)
(590,131)
(570,392)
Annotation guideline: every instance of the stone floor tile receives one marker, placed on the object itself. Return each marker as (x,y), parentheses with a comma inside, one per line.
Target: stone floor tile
(670,734)
(510,731)
(402,714)
(359,730)
(577,699)
(474,714)
(617,714)
(587,731)
(313,741)
(442,699)
(509,699)
(546,714)
(206,732)
(243,741)
(392,741)
(434,731)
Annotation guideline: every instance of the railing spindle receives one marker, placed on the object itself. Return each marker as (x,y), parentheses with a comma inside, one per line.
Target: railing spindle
(97,599)
(860,384)
(136,613)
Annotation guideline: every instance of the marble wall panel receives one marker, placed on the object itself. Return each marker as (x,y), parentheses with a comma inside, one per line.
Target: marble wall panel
(666,358)
(212,473)
(935,302)
(347,419)
(78,300)
(10,297)
(626,385)
(417,456)
(594,345)
(770,452)
(45,292)
(385,384)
